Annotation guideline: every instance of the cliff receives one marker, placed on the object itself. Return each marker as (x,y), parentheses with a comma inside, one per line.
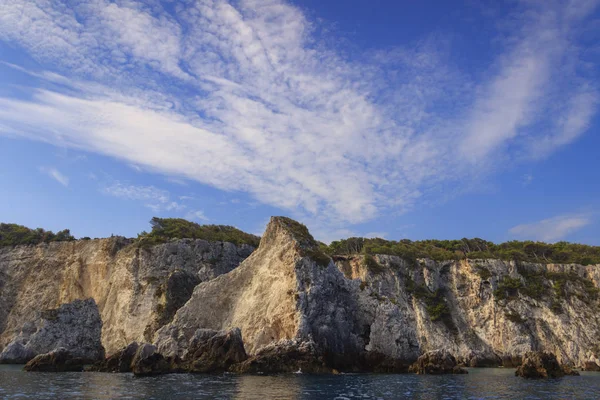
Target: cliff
(297,308)
(382,312)
(136,289)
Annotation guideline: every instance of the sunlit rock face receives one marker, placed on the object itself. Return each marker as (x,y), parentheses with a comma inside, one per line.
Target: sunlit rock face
(295,306)
(369,315)
(137,290)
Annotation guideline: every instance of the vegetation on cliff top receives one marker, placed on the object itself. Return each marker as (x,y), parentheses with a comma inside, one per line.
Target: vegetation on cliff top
(308,245)
(13,234)
(165,229)
(440,250)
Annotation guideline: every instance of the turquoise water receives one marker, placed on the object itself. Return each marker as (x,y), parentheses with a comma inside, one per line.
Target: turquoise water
(479,384)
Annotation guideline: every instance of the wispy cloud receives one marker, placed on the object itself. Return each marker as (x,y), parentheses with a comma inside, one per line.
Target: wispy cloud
(197,215)
(56,175)
(551,229)
(154,198)
(244,97)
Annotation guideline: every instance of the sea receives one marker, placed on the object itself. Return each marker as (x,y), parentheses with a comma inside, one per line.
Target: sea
(480,383)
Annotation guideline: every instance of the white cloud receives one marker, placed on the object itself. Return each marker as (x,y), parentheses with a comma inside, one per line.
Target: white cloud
(196,215)
(244,97)
(152,197)
(551,229)
(56,175)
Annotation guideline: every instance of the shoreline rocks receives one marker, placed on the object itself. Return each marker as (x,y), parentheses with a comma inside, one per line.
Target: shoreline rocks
(75,326)
(437,362)
(540,364)
(214,351)
(59,360)
(591,366)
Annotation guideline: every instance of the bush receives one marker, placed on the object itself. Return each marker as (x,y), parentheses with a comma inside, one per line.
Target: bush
(508,288)
(13,235)
(165,229)
(441,250)
(435,302)
(372,265)
(483,272)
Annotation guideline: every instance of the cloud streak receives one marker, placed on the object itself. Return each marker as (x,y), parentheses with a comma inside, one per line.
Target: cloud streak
(244,97)
(551,229)
(154,198)
(56,175)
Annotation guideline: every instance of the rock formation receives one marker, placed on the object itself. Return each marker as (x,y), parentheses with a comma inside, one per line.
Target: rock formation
(59,360)
(137,289)
(121,361)
(591,366)
(382,314)
(75,327)
(286,290)
(214,351)
(297,309)
(539,364)
(436,362)
(147,361)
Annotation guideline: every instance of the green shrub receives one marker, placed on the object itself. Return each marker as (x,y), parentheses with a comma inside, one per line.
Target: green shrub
(441,250)
(508,288)
(483,272)
(13,235)
(435,302)
(372,264)
(165,229)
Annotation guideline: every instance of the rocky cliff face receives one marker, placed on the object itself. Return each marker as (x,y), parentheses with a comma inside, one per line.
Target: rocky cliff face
(292,303)
(285,290)
(76,326)
(137,290)
(485,312)
(382,312)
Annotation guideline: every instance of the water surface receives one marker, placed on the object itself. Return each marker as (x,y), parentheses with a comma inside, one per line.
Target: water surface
(497,383)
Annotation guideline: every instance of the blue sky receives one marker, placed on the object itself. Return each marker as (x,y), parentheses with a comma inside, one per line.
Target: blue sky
(397,119)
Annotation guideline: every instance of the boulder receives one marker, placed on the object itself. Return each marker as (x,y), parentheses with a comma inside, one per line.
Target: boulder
(540,364)
(484,360)
(59,360)
(214,351)
(591,366)
(16,353)
(285,356)
(75,326)
(436,362)
(511,360)
(118,362)
(147,361)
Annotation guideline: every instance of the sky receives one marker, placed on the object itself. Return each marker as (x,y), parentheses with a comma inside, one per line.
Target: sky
(381,118)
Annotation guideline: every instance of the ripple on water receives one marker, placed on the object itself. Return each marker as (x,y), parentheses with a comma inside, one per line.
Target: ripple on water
(478,384)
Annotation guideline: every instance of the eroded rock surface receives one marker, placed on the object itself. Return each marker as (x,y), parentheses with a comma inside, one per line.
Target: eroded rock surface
(59,360)
(214,351)
(436,362)
(383,312)
(121,361)
(539,364)
(295,306)
(591,366)
(148,361)
(137,289)
(75,327)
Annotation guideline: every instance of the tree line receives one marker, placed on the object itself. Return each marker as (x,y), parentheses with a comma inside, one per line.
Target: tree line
(440,250)
(13,234)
